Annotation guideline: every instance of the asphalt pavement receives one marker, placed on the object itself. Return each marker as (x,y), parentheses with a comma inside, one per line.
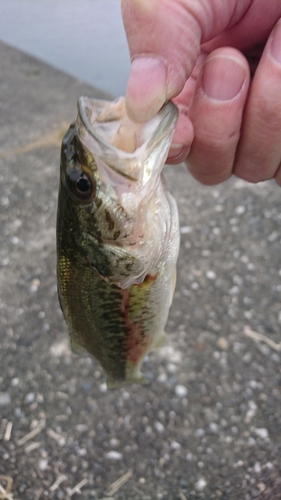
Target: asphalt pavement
(208,426)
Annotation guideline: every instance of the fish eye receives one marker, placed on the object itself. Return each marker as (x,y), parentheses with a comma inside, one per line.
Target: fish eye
(81,186)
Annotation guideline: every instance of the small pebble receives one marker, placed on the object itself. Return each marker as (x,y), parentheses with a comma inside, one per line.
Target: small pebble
(172,368)
(273,236)
(214,427)
(159,427)
(30,397)
(211,275)
(114,455)
(185,229)
(175,445)
(201,484)
(222,343)
(114,442)
(43,464)
(5,398)
(34,285)
(181,391)
(240,210)
(262,432)
(257,467)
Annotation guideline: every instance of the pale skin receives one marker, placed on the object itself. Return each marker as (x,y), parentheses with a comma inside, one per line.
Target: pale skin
(220,62)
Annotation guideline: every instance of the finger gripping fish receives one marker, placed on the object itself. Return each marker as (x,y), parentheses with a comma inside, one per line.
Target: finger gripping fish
(117,235)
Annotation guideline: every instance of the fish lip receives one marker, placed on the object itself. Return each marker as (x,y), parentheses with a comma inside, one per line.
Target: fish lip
(168,115)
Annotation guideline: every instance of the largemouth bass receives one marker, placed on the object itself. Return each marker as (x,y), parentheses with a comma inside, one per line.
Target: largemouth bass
(117,235)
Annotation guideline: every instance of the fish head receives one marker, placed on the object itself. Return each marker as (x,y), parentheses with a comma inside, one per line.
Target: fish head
(110,171)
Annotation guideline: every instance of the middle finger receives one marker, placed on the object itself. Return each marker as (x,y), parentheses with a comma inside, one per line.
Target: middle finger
(216,113)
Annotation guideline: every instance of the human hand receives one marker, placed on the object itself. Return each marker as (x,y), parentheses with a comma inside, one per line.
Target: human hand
(220,63)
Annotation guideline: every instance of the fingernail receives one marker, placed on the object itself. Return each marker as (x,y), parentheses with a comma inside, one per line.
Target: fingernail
(146,90)
(175,150)
(276,43)
(222,78)
(177,154)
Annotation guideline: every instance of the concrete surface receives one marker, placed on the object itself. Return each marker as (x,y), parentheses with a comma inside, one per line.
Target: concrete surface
(209,424)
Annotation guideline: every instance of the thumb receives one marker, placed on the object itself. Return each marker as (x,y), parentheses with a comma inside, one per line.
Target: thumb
(164,38)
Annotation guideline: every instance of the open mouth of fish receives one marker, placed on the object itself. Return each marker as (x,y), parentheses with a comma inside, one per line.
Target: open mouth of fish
(125,146)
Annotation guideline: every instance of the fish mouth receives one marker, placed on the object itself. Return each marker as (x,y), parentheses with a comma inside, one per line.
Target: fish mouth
(126,147)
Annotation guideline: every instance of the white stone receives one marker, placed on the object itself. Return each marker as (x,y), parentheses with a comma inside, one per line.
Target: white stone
(211,275)
(201,484)
(185,229)
(159,427)
(114,455)
(181,391)
(262,432)
(175,445)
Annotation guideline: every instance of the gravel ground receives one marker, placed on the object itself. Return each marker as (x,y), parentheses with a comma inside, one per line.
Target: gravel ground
(209,424)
